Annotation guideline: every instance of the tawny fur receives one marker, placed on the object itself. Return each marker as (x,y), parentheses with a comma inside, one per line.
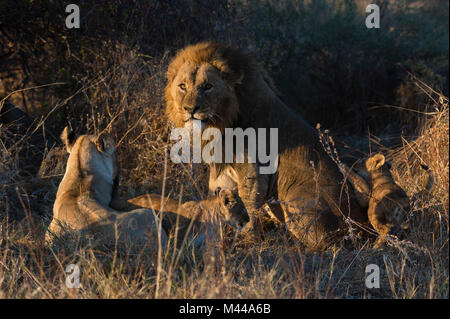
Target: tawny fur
(224,206)
(388,204)
(225,87)
(85,193)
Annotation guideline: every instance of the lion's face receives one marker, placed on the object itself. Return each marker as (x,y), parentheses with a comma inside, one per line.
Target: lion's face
(232,208)
(199,92)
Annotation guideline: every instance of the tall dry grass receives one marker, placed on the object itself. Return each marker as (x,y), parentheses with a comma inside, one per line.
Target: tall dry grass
(114,81)
(230,267)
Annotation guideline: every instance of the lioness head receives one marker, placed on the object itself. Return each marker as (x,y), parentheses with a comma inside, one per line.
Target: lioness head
(232,208)
(202,83)
(93,158)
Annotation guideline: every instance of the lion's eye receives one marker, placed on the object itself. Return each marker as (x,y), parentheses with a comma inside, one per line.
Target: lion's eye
(182,86)
(208,86)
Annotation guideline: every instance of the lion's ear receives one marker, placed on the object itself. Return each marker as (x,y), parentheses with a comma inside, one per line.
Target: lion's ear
(232,77)
(105,143)
(375,162)
(68,138)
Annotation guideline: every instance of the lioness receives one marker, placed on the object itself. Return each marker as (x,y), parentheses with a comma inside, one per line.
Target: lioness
(387,203)
(224,206)
(226,88)
(87,189)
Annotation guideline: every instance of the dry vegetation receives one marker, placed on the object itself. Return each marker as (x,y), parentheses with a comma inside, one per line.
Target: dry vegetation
(112,78)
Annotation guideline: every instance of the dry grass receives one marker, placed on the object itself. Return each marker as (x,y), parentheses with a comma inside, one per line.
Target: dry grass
(122,92)
(275,268)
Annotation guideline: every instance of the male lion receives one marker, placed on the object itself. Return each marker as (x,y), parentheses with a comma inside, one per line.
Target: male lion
(85,193)
(387,203)
(226,88)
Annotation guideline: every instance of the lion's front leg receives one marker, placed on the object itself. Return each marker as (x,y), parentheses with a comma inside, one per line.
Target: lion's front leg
(252,189)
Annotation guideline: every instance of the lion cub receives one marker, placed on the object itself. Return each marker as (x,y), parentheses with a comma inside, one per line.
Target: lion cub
(85,193)
(388,205)
(223,206)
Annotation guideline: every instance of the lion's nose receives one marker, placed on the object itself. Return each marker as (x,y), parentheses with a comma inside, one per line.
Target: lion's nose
(191,109)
